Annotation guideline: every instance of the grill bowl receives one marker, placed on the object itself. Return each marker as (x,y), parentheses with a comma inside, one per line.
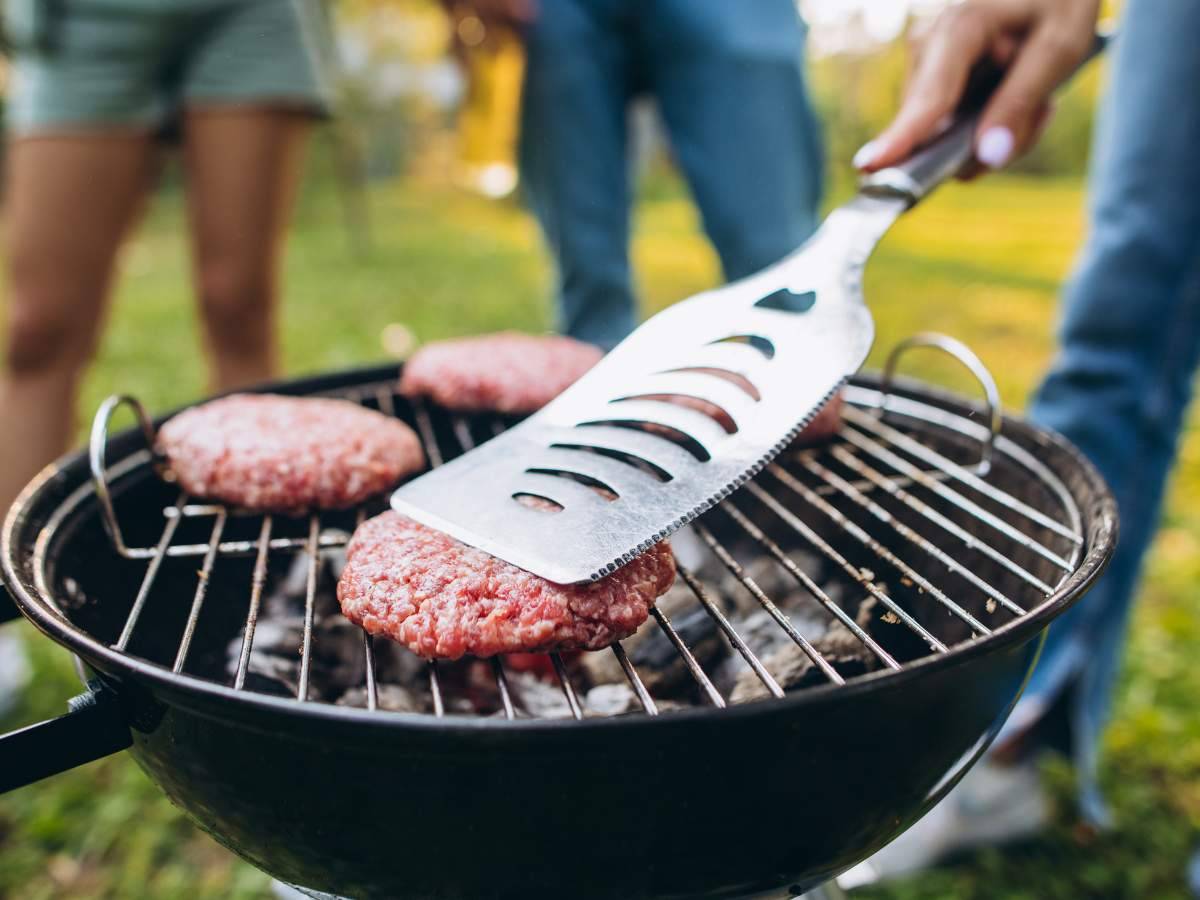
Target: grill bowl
(698,802)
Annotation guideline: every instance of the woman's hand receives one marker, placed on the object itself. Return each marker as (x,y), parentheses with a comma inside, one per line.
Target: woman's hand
(1038,42)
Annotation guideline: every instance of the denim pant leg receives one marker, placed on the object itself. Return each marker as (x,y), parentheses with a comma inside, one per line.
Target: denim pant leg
(730,83)
(1130,342)
(573,161)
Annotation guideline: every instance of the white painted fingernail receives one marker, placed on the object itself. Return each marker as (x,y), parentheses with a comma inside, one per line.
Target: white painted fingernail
(995,147)
(866,153)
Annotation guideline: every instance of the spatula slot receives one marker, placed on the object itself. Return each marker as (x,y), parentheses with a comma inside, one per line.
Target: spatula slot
(737,379)
(784,300)
(538,502)
(688,401)
(653,429)
(637,462)
(763,345)
(604,490)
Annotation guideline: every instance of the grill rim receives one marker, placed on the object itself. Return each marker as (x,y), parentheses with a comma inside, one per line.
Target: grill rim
(1095,503)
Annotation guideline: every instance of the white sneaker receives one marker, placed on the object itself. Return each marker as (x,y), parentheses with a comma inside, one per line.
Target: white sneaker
(992,805)
(14,669)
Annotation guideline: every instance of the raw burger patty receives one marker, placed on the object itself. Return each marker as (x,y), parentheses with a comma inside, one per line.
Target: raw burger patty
(285,454)
(826,423)
(443,599)
(507,372)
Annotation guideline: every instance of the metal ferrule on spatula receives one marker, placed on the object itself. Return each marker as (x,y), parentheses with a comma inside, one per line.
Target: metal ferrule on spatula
(689,406)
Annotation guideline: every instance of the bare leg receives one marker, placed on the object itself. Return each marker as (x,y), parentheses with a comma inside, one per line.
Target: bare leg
(70,202)
(242,169)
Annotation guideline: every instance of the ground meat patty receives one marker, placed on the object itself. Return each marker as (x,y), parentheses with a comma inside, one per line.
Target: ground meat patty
(443,599)
(286,454)
(507,372)
(825,424)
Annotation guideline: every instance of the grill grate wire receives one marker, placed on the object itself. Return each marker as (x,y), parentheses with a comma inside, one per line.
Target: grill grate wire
(867,444)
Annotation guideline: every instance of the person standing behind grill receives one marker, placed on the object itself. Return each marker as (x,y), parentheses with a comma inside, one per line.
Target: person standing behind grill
(729,82)
(1130,345)
(96,83)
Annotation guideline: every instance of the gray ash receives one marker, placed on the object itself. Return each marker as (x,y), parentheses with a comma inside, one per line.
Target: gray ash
(793,669)
(469,686)
(661,666)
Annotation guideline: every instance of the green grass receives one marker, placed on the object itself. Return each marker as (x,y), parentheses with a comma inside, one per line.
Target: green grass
(983,263)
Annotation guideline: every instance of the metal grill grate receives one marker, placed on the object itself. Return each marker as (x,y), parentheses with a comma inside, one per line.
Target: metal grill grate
(896,491)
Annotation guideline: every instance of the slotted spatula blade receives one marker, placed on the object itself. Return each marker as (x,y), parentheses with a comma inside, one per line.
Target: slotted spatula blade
(627,463)
(766,352)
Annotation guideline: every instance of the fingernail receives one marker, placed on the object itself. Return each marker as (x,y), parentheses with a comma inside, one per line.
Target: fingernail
(866,153)
(995,147)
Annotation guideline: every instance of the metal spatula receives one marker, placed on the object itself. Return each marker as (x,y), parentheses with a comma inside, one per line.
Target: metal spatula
(628,464)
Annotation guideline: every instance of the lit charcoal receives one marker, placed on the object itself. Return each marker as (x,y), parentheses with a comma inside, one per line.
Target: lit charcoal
(258,683)
(793,669)
(338,660)
(772,579)
(654,656)
(757,626)
(468,686)
(335,559)
(601,667)
(765,637)
(275,654)
(764,572)
(290,588)
(538,698)
(763,633)
(611,700)
(287,596)
(275,673)
(399,665)
(391,697)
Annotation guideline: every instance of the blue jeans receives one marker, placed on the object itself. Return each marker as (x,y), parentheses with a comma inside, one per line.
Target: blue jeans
(728,79)
(1130,344)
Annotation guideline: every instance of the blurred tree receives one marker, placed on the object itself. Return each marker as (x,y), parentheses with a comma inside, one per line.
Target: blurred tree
(402,96)
(394,81)
(856,92)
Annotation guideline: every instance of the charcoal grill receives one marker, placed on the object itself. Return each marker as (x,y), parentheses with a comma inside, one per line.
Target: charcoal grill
(939,537)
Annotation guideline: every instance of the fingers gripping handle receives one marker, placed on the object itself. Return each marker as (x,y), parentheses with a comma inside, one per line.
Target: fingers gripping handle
(938,161)
(945,156)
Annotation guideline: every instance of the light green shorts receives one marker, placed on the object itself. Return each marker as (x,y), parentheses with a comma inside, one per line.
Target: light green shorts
(138,63)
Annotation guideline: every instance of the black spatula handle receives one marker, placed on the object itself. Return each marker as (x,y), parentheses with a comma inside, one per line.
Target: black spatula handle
(946,155)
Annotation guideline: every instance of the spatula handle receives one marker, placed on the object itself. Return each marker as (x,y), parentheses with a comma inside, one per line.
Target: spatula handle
(947,154)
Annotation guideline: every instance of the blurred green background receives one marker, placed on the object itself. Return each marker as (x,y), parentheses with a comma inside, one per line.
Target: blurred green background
(383,236)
